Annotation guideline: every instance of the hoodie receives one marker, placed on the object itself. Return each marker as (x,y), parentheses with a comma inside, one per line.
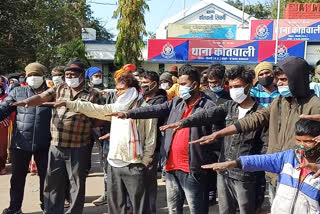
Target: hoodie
(283,113)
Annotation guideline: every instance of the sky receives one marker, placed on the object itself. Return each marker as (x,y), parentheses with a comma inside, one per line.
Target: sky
(159,10)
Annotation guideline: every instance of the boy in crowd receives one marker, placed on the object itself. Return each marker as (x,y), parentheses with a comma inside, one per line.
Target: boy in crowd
(298,190)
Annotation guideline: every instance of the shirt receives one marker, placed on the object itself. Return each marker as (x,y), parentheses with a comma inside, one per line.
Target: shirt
(71,129)
(179,153)
(262,97)
(242,112)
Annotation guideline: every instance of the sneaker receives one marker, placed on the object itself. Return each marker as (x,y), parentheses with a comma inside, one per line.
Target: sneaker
(66,203)
(100,201)
(10,211)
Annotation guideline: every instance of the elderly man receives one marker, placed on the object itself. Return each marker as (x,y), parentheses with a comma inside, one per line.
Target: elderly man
(31,135)
(69,152)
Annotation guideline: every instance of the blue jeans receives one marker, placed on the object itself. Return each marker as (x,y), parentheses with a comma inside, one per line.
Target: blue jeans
(193,187)
(105,151)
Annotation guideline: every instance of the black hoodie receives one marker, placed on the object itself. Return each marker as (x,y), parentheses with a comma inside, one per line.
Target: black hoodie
(297,71)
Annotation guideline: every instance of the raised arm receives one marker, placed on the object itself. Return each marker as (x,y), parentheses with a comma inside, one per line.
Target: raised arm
(154,111)
(90,109)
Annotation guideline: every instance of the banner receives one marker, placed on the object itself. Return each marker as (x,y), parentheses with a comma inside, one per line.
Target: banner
(224,51)
(203,31)
(168,50)
(242,51)
(289,29)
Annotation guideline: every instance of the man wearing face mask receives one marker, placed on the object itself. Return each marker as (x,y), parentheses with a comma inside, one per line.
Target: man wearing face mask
(31,135)
(69,152)
(234,186)
(58,75)
(184,177)
(216,80)
(153,96)
(295,99)
(166,81)
(94,74)
(265,90)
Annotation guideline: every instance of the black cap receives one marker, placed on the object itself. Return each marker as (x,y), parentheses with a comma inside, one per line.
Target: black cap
(76,65)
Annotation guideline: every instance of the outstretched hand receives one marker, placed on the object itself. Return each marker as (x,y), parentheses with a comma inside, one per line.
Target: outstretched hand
(315,117)
(121,115)
(205,139)
(105,137)
(22,103)
(314,167)
(220,166)
(174,126)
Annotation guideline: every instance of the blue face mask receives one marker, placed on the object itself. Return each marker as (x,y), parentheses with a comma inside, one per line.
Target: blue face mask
(184,92)
(284,91)
(216,89)
(21,80)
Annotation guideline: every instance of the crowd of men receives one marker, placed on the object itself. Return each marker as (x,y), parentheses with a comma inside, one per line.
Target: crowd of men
(218,136)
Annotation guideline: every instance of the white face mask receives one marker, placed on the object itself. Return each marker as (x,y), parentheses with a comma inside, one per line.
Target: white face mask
(35,81)
(96,80)
(238,95)
(73,82)
(164,86)
(57,80)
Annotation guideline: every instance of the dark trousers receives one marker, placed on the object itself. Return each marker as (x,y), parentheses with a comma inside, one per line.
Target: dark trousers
(66,165)
(182,185)
(152,184)
(232,192)
(129,180)
(20,165)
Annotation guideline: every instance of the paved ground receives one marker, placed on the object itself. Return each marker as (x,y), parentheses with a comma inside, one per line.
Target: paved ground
(94,188)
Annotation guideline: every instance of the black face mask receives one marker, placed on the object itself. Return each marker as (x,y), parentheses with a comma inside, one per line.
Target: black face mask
(146,89)
(266,81)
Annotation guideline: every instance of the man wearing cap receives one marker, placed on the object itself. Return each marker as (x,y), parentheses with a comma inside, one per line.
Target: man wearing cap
(31,135)
(58,75)
(265,90)
(94,74)
(166,81)
(71,131)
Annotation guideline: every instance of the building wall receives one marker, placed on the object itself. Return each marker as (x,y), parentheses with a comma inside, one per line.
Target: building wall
(302,11)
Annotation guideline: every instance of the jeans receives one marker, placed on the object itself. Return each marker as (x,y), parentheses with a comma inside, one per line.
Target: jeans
(105,151)
(20,165)
(66,166)
(233,193)
(128,180)
(182,185)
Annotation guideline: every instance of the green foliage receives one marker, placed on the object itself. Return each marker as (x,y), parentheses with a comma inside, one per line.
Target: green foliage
(131,26)
(72,49)
(258,10)
(39,30)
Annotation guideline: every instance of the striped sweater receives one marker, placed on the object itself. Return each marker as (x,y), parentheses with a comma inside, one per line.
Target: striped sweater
(291,196)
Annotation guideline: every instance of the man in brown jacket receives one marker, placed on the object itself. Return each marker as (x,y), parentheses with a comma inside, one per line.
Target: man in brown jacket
(296,99)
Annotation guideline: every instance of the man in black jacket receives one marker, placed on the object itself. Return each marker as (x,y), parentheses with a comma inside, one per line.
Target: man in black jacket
(234,186)
(149,81)
(184,177)
(31,135)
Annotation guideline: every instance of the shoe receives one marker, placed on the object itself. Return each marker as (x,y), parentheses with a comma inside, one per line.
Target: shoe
(100,201)
(66,203)
(3,171)
(10,211)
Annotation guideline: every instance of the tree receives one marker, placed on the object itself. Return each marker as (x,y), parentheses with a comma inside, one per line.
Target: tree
(131,26)
(283,4)
(258,10)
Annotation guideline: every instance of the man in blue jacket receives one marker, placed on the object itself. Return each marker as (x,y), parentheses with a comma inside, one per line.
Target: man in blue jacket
(31,135)
(184,178)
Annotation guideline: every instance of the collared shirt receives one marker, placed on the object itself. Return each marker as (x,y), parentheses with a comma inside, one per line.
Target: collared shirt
(71,129)
(263,97)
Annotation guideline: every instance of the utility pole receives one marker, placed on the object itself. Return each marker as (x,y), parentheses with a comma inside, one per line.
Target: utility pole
(184,8)
(277,34)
